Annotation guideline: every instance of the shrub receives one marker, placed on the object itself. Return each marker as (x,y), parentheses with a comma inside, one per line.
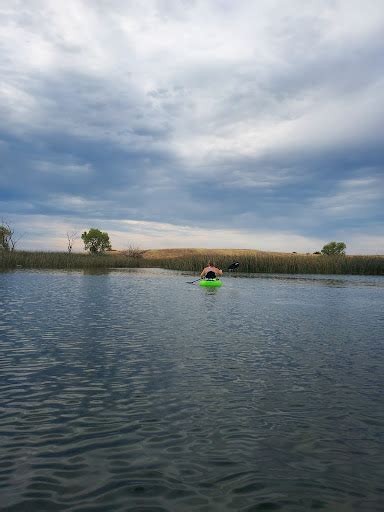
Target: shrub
(334,249)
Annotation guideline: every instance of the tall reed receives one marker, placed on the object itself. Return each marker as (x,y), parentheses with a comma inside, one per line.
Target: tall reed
(29,259)
(280,263)
(253,262)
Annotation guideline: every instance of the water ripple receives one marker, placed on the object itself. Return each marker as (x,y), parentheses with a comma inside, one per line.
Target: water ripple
(118,393)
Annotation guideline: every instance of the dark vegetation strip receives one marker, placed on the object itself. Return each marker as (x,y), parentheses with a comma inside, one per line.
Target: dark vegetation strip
(264,263)
(29,259)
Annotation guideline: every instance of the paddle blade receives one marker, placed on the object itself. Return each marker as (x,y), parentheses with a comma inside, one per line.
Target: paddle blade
(234,265)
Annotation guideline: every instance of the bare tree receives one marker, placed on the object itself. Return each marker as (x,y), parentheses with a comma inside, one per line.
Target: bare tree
(133,251)
(8,239)
(71,237)
(4,238)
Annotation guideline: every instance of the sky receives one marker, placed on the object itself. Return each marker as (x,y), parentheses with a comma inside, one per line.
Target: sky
(199,123)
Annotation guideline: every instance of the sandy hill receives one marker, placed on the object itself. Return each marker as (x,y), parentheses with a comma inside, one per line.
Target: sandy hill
(208,253)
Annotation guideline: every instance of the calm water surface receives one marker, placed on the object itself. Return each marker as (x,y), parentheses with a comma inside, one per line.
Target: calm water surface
(134,391)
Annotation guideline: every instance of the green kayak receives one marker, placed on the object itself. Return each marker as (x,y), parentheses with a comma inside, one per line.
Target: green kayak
(210,282)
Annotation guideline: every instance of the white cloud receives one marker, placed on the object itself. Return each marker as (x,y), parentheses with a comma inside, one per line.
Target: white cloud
(218,54)
(259,178)
(361,243)
(354,197)
(48,233)
(62,168)
(41,232)
(246,95)
(72,202)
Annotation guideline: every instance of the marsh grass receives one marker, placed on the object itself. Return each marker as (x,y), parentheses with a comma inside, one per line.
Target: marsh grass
(279,263)
(29,259)
(193,260)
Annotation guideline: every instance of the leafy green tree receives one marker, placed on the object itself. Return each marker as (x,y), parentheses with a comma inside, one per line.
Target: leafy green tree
(96,241)
(334,249)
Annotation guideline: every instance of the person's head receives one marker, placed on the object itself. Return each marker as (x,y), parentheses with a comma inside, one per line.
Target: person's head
(210,264)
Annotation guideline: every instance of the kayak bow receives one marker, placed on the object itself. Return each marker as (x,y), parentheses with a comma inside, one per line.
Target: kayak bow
(210,282)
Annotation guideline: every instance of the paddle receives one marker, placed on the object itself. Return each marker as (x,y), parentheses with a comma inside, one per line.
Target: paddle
(231,267)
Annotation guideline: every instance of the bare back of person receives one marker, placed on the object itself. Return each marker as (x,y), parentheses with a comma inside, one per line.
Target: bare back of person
(210,268)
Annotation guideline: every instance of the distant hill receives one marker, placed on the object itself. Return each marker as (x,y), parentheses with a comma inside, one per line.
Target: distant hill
(155,254)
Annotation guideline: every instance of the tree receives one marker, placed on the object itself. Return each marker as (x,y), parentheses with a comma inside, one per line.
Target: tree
(133,252)
(5,234)
(96,241)
(71,237)
(7,237)
(334,249)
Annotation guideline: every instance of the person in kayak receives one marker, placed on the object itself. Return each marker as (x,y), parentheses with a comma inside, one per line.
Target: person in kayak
(210,271)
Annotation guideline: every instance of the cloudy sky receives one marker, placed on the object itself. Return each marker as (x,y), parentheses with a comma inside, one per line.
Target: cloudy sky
(193,123)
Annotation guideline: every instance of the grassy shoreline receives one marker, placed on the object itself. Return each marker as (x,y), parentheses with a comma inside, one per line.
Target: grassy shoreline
(193,260)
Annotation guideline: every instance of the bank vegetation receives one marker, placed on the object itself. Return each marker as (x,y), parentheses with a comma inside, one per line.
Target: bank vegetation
(193,260)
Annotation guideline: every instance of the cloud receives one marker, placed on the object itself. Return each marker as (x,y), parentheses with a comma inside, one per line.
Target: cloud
(355,197)
(223,114)
(50,167)
(49,233)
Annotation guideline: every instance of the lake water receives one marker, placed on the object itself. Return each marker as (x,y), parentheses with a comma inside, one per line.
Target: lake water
(132,390)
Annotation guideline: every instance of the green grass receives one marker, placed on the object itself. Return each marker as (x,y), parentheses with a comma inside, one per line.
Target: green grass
(249,262)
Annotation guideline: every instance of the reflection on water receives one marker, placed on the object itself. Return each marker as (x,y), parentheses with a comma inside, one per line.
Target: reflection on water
(133,390)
